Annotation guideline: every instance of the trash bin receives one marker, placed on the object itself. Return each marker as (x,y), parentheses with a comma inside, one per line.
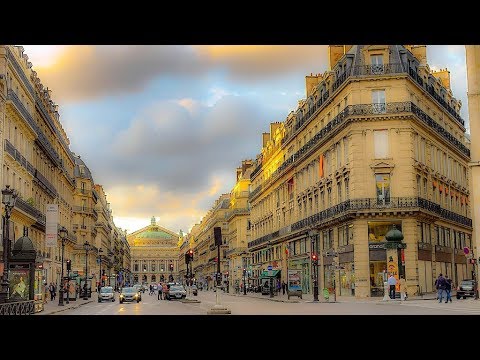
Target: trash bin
(326,294)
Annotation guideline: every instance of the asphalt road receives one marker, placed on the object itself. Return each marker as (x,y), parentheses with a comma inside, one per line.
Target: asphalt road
(245,305)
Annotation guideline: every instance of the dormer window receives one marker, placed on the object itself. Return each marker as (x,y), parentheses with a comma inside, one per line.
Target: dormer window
(376,64)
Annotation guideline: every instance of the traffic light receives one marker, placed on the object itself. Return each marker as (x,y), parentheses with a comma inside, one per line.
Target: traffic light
(314,258)
(190,253)
(69,265)
(187,258)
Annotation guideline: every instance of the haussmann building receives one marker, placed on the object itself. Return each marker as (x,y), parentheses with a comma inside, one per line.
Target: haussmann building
(377,144)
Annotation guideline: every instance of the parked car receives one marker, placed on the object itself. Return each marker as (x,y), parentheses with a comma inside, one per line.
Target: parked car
(176,292)
(106,293)
(466,288)
(129,294)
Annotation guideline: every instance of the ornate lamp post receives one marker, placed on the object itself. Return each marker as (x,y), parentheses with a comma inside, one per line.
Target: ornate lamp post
(86,246)
(312,234)
(63,236)
(9,196)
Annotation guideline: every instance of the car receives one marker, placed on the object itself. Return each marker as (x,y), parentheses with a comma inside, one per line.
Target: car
(139,288)
(176,292)
(106,293)
(466,288)
(129,294)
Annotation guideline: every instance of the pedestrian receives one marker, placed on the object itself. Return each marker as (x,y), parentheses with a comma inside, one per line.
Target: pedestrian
(284,287)
(392,282)
(441,286)
(403,288)
(51,288)
(279,286)
(160,288)
(448,288)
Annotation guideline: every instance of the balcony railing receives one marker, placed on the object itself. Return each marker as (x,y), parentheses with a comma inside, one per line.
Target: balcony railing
(377,69)
(27,208)
(354,205)
(233,212)
(11,95)
(14,153)
(18,308)
(84,209)
(46,184)
(19,71)
(339,121)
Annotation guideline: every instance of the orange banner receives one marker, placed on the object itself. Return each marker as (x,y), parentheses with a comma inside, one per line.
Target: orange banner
(320,168)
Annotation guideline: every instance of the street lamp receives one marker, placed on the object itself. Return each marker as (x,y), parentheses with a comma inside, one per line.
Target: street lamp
(100,251)
(63,232)
(86,246)
(311,234)
(9,196)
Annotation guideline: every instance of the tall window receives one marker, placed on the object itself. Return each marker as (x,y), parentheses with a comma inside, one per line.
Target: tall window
(380,140)
(378,101)
(383,188)
(339,192)
(347,189)
(377,64)
(345,149)
(419,193)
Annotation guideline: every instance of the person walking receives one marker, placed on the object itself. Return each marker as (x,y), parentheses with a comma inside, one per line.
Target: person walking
(441,286)
(448,289)
(51,289)
(284,287)
(403,288)
(392,282)
(160,288)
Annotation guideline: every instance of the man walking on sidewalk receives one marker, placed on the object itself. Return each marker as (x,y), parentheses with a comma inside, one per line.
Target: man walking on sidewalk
(392,282)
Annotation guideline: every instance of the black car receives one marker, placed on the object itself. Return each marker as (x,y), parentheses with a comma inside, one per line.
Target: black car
(466,288)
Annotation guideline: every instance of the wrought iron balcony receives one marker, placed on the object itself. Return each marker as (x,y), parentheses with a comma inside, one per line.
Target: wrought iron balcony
(44,113)
(27,208)
(255,192)
(351,207)
(242,211)
(83,209)
(45,183)
(11,95)
(377,69)
(20,72)
(43,141)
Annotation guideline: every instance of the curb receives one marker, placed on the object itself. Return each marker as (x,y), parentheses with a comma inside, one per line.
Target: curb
(68,308)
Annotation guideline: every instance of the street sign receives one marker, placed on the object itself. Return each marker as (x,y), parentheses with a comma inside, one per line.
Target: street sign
(466,250)
(270,267)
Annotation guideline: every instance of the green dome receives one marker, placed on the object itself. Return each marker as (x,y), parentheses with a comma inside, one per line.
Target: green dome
(394,235)
(154,235)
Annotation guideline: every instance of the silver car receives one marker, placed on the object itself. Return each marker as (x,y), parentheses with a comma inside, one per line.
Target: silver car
(176,292)
(106,293)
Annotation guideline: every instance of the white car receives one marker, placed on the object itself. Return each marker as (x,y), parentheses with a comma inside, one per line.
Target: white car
(176,292)
(106,293)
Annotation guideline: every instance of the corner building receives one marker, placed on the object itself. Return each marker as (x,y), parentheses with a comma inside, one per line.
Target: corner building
(377,143)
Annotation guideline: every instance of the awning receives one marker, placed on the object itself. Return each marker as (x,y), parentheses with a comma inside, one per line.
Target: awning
(265,274)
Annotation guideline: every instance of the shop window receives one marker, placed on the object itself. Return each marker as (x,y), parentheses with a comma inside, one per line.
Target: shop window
(378,229)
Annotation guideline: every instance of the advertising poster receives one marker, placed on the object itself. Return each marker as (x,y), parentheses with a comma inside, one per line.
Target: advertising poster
(294,280)
(51,227)
(19,284)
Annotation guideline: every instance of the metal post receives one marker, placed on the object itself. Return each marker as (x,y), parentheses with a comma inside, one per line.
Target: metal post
(244,281)
(271,286)
(4,294)
(100,277)
(85,290)
(68,286)
(60,291)
(311,233)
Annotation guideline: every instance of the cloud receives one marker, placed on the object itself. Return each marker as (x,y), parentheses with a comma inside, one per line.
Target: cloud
(80,73)
(86,72)
(250,62)
(179,150)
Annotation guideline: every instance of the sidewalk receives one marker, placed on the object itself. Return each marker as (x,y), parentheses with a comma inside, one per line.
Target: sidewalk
(51,307)
(307,298)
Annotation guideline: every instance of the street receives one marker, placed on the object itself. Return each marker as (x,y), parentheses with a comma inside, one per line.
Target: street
(256,305)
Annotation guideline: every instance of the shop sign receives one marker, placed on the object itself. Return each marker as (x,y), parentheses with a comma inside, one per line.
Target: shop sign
(374,246)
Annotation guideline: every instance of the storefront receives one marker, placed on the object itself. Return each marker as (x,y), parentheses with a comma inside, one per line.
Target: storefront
(377,253)
(346,273)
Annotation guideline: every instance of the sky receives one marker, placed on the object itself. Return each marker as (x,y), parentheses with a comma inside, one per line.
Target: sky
(163,128)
